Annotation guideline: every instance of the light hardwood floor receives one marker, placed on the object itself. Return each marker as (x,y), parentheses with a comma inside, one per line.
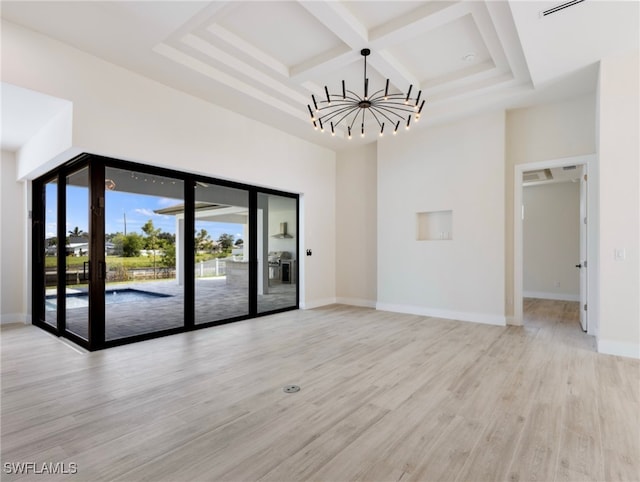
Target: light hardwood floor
(385,397)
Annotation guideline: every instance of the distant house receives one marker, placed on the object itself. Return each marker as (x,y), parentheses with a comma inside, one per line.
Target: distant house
(77,248)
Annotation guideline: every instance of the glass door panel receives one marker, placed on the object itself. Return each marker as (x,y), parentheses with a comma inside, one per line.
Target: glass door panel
(76,248)
(277,252)
(221,245)
(51,246)
(144,286)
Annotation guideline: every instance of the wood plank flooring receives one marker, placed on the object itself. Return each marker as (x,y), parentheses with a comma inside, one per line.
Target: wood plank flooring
(385,397)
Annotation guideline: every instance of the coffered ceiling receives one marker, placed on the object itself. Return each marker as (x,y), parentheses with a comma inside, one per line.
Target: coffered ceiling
(264,59)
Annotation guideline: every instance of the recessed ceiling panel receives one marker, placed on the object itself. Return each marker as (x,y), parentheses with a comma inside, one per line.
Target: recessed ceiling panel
(443,50)
(283,30)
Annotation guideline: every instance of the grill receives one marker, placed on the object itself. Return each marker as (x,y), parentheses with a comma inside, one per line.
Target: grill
(280,266)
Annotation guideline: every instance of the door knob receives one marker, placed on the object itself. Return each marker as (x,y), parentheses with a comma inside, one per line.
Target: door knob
(579,265)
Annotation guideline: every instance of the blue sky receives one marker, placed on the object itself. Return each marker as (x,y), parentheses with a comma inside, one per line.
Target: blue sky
(138,209)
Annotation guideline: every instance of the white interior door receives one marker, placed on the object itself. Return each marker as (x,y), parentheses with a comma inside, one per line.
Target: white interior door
(583,267)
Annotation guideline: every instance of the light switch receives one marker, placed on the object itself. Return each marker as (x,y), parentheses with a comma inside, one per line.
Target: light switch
(620,254)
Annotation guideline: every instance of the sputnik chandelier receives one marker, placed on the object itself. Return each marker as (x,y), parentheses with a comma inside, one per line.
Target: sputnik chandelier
(353,110)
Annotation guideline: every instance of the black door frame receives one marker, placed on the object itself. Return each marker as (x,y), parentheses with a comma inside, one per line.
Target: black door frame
(97,265)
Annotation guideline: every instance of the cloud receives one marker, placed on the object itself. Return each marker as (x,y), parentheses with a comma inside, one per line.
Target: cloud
(165,201)
(146,212)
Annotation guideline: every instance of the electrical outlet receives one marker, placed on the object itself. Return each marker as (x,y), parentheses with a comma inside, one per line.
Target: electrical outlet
(557,284)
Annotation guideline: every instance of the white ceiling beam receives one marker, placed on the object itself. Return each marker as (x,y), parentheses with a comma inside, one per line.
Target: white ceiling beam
(344,25)
(489,36)
(204,17)
(230,81)
(248,49)
(413,24)
(502,18)
(232,62)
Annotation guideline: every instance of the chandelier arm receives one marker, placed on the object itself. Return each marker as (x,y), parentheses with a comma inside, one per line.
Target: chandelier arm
(384,115)
(397,96)
(339,97)
(337,104)
(392,97)
(397,106)
(357,97)
(373,113)
(346,115)
(330,115)
(373,97)
(391,111)
(353,121)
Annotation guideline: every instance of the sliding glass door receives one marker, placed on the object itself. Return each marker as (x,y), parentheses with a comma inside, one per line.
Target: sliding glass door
(144,285)
(49,252)
(77,253)
(277,252)
(125,252)
(221,249)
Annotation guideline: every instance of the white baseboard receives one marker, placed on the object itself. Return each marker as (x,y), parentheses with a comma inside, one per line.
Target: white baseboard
(499,320)
(309,305)
(356,302)
(14,318)
(619,348)
(550,296)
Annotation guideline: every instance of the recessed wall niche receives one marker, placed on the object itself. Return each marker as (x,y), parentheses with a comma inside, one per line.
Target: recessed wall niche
(434,226)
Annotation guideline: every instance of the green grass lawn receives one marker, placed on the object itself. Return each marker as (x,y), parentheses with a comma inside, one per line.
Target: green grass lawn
(77,262)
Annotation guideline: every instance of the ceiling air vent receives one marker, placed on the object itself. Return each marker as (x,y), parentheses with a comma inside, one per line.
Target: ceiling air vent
(535,176)
(562,6)
(569,168)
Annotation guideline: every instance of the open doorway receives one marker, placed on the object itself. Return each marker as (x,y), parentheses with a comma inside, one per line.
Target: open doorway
(552,245)
(552,240)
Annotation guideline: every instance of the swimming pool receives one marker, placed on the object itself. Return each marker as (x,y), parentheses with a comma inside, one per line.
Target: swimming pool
(111,297)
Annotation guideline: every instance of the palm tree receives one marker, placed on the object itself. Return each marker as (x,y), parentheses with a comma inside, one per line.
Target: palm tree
(77,233)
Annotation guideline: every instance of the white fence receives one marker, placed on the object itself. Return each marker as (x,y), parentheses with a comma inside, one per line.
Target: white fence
(213,267)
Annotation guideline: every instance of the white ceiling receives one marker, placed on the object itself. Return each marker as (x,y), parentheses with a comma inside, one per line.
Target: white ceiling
(263,59)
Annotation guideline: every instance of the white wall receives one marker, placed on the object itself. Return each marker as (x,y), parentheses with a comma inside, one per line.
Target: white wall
(124,115)
(619,153)
(457,167)
(542,133)
(13,299)
(551,239)
(356,218)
